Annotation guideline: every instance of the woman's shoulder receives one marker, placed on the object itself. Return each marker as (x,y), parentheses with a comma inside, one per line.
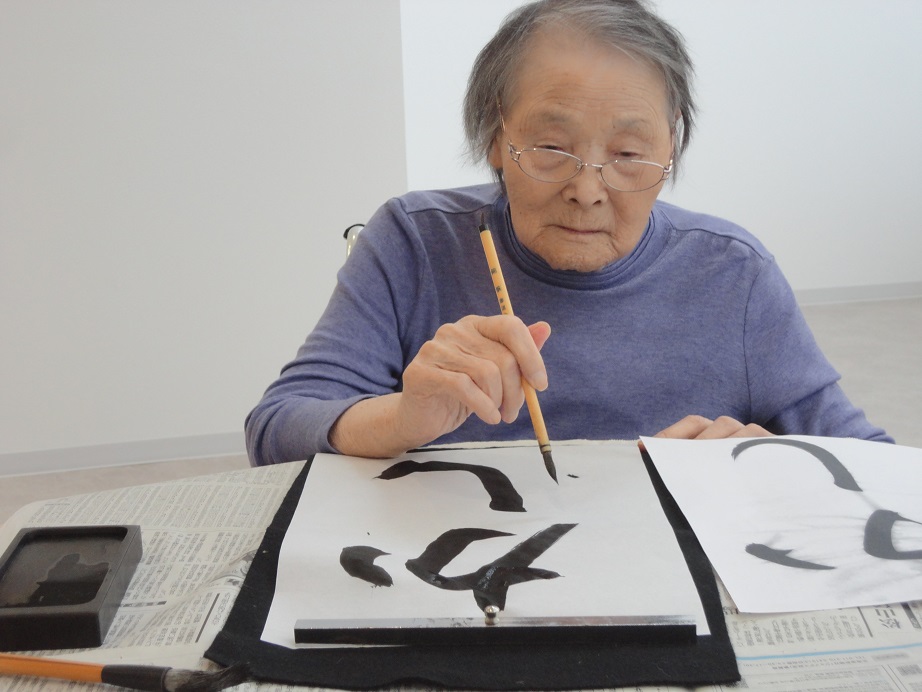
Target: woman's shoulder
(691,224)
(433,219)
(428,224)
(458,200)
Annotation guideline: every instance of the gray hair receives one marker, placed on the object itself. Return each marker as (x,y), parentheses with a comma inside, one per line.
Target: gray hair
(624,24)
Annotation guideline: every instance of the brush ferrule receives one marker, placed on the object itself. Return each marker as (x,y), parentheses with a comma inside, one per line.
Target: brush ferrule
(150,678)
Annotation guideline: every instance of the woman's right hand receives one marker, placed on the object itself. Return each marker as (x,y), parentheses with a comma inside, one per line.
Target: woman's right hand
(473,366)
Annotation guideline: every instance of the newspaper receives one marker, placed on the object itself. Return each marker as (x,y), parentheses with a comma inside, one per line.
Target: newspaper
(864,649)
(200,535)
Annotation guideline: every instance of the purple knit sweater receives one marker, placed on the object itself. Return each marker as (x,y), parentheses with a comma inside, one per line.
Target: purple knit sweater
(698,319)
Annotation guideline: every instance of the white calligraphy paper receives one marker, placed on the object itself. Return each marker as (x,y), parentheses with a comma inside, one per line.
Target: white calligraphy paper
(620,559)
(802,523)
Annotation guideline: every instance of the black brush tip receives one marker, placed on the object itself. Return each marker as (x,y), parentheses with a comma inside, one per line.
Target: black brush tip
(549,465)
(204,681)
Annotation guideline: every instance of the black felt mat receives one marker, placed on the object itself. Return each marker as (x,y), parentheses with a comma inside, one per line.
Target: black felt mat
(549,667)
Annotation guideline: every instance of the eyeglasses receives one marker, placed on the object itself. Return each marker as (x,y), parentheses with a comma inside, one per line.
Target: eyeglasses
(555,166)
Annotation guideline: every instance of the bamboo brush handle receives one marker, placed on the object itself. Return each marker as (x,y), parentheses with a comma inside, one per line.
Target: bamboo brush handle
(11,664)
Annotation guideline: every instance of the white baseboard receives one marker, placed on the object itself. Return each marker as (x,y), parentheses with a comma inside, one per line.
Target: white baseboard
(121,454)
(855,294)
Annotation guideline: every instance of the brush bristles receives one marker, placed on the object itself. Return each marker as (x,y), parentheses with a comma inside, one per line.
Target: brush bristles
(204,681)
(549,463)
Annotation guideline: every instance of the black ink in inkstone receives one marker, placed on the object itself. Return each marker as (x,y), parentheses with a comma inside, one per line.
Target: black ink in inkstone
(69,582)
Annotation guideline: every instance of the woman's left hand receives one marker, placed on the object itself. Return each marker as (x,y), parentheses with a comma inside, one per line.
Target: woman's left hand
(701,428)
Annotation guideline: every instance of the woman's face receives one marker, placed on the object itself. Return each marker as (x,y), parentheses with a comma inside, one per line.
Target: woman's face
(597,103)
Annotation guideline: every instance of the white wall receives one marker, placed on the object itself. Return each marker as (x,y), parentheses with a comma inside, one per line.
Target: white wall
(808,129)
(810,117)
(440,42)
(175,178)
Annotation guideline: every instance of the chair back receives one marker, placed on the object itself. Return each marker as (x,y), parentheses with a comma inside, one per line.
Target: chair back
(351,235)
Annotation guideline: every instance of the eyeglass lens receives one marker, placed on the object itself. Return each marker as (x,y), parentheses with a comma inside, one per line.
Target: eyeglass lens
(553,166)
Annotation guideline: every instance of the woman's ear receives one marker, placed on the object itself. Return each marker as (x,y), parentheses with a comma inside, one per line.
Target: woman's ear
(495,157)
(678,127)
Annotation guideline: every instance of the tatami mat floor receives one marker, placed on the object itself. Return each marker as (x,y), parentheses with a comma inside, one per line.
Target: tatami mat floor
(874,345)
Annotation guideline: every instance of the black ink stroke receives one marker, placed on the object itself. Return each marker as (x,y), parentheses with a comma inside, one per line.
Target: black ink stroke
(443,550)
(490,583)
(358,561)
(781,557)
(503,496)
(878,537)
(841,476)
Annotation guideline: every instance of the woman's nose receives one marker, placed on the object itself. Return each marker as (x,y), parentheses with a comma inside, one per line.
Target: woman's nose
(587,188)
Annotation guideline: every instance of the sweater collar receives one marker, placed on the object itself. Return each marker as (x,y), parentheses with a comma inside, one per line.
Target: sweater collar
(648,248)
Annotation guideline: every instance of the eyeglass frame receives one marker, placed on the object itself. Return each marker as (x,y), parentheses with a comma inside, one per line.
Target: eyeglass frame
(515,154)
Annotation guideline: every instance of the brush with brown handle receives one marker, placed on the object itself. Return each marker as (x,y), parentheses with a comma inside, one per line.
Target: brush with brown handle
(135,677)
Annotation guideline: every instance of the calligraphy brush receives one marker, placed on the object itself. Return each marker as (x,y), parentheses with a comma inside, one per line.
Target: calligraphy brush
(505,307)
(134,677)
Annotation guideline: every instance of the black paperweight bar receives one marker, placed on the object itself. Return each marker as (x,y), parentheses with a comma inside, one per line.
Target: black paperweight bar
(60,587)
(658,629)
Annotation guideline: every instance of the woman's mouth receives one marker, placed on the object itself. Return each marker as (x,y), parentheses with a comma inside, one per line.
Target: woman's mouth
(579,231)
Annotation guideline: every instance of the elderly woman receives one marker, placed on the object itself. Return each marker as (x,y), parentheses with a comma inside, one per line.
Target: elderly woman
(664,321)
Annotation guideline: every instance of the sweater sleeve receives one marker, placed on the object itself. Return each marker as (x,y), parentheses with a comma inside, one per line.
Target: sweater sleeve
(793,388)
(359,348)
(828,413)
